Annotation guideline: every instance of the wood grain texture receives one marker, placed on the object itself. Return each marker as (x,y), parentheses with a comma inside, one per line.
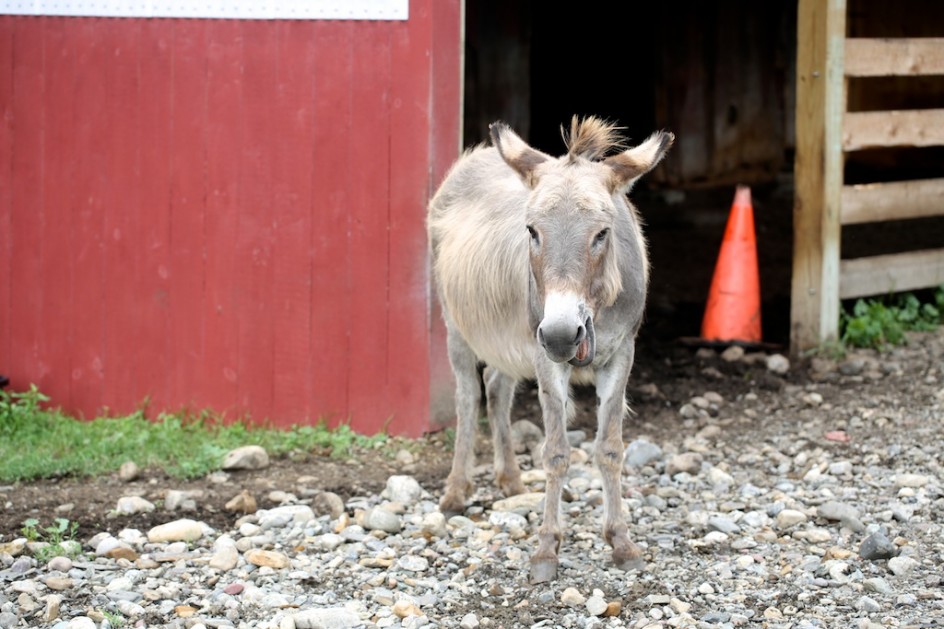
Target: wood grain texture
(919,56)
(871,129)
(866,203)
(882,275)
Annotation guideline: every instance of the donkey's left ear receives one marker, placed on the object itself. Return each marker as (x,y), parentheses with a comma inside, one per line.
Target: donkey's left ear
(516,152)
(630,165)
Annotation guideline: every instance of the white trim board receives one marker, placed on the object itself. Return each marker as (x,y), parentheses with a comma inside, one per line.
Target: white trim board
(224,9)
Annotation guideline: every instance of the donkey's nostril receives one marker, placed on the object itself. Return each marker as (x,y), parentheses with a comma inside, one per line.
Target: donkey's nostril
(581,334)
(541,337)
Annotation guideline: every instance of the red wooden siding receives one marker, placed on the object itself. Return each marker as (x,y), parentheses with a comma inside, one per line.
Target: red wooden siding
(226,214)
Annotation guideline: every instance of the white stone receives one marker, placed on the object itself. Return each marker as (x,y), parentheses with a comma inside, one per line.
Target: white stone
(778,363)
(596,606)
(469,621)
(377,519)
(225,555)
(329,618)
(284,516)
(789,518)
(434,523)
(179,530)
(522,503)
(572,598)
(403,489)
(246,458)
(413,563)
(913,481)
(901,566)
(129,505)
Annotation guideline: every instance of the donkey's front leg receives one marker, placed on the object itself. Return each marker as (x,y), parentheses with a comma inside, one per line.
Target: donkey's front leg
(608,454)
(554,392)
(468,399)
(499,395)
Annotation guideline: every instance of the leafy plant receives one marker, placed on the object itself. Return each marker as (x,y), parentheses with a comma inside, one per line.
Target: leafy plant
(21,411)
(881,322)
(54,539)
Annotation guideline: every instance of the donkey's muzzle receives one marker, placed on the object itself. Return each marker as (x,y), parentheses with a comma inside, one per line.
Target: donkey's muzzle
(568,343)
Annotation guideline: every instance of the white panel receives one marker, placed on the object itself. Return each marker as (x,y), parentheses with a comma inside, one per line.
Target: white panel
(232,9)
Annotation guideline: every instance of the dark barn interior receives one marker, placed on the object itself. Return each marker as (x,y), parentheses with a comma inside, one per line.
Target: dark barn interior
(721,76)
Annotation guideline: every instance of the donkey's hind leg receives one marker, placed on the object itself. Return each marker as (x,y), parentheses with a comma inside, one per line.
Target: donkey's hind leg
(499,396)
(468,400)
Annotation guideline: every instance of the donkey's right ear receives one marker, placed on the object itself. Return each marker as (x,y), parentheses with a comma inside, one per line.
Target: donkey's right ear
(522,158)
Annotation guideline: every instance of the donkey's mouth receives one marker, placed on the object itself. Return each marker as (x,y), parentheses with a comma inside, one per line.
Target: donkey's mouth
(586,348)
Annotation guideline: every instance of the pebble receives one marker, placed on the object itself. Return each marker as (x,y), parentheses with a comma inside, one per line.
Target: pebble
(246,458)
(877,546)
(640,453)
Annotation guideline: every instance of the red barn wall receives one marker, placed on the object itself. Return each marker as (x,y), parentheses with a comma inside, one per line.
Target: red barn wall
(226,214)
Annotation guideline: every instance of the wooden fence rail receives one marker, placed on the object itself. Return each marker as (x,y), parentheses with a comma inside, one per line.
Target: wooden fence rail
(826,132)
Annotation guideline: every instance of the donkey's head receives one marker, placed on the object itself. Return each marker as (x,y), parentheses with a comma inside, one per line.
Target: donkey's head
(574,206)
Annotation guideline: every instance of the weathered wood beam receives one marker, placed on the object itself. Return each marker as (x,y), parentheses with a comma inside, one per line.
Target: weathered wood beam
(894,57)
(867,203)
(821,102)
(870,129)
(893,273)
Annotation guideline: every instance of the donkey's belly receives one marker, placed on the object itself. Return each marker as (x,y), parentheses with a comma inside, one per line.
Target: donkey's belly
(510,349)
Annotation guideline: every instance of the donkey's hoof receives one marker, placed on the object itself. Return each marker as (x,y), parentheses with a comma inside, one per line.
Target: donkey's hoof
(450,507)
(629,558)
(543,569)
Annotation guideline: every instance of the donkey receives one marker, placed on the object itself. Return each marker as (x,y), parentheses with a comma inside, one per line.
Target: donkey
(542,271)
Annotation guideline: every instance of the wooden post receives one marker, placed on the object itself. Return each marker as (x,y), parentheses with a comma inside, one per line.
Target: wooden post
(821,34)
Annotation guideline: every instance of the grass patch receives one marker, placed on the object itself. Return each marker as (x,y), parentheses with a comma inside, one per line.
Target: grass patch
(41,442)
(878,323)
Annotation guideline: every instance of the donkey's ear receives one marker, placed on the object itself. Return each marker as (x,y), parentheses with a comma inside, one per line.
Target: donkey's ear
(630,165)
(522,158)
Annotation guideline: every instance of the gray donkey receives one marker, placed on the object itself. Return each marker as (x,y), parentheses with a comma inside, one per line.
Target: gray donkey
(542,271)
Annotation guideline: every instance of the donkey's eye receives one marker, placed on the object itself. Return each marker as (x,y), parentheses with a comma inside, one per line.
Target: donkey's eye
(600,238)
(534,235)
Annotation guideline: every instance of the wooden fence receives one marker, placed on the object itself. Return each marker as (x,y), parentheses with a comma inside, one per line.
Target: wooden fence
(826,133)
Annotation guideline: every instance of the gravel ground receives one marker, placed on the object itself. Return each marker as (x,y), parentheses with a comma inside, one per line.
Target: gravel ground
(813,498)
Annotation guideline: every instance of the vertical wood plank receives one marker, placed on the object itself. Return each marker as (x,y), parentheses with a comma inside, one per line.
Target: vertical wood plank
(224,140)
(369,399)
(153,235)
(292,134)
(332,176)
(254,238)
(445,143)
(86,314)
(60,147)
(29,238)
(6,179)
(818,173)
(122,209)
(188,199)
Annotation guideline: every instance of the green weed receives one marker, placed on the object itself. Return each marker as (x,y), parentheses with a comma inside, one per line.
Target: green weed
(56,540)
(878,323)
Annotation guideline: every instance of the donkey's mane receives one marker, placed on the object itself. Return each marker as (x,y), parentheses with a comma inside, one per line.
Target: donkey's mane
(592,138)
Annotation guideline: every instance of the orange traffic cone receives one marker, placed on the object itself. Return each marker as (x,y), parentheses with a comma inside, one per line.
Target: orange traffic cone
(733,309)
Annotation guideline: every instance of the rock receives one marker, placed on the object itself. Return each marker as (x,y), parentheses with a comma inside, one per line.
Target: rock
(640,453)
(724,525)
(59,584)
(243,502)
(378,519)
(234,589)
(901,566)
(572,598)
(129,505)
(523,504)
(878,585)
(596,606)
(268,558)
(403,489)
(53,605)
(404,457)
(404,608)
(687,462)
(287,515)
(179,530)
(876,547)
(413,563)
(733,354)
(911,480)
(789,518)
(845,514)
(613,609)
(525,435)
(329,618)
(328,503)
(59,564)
(778,364)
(246,458)
(434,524)
(225,555)
(175,500)
(128,472)
(469,621)
(868,605)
